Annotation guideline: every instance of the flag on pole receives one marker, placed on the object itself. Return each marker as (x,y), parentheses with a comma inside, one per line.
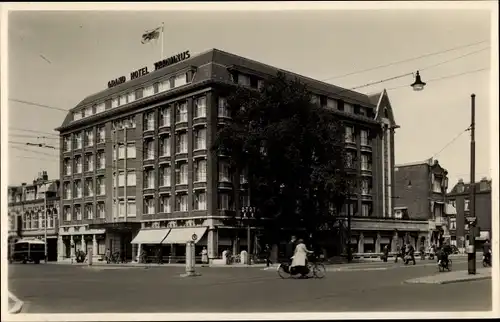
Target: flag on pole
(151,35)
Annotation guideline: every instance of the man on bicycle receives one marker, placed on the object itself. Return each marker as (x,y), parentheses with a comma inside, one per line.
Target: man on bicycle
(290,249)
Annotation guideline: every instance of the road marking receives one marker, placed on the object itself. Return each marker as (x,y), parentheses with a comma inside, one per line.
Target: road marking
(18,304)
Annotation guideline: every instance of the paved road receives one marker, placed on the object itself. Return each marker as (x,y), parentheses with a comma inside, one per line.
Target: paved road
(77,289)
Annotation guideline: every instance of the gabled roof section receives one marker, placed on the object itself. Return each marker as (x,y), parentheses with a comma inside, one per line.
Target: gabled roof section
(384,107)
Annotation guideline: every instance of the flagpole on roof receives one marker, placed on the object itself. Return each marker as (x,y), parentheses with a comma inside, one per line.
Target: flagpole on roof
(162,28)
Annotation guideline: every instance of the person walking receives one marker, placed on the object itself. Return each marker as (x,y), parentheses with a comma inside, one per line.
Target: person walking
(204,256)
(267,254)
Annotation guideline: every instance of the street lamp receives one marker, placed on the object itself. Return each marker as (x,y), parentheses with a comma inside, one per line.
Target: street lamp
(418,85)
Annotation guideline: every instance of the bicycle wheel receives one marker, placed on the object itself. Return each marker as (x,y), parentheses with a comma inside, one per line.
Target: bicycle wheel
(319,270)
(283,272)
(449,265)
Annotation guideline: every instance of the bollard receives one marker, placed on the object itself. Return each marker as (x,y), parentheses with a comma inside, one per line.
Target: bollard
(190,260)
(89,257)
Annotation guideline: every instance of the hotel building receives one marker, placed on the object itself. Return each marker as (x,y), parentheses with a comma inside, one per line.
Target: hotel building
(137,170)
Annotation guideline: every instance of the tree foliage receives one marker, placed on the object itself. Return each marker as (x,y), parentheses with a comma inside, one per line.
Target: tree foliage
(292,151)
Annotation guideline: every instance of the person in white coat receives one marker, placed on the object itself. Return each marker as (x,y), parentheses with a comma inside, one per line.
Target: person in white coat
(299,259)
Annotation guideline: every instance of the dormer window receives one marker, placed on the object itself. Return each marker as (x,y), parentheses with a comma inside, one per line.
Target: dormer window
(243,80)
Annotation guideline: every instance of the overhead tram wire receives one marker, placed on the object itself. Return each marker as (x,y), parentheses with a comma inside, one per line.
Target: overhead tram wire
(451,141)
(32,151)
(32,137)
(405,60)
(39,105)
(32,131)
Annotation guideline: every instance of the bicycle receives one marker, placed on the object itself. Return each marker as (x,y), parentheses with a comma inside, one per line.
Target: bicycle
(315,269)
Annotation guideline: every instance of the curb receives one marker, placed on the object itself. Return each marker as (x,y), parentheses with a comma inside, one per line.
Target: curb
(17,308)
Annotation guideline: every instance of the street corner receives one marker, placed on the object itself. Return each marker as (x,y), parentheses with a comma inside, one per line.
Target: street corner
(452,277)
(15,304)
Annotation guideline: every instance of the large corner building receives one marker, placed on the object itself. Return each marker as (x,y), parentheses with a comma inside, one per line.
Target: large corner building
(137,170)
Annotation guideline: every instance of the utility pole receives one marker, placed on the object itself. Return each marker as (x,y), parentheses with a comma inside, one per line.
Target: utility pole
(45,219)
(117,171)
(472,188)
(349,250)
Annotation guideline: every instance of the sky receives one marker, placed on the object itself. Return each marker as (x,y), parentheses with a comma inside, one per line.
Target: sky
(59,58)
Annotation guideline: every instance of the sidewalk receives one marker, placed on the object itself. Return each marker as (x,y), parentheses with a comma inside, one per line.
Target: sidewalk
(452,277)
(15,305)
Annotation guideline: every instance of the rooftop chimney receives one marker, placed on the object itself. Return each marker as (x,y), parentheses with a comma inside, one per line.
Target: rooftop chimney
(460,180)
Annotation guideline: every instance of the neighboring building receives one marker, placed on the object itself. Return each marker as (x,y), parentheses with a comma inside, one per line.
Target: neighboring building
(459,198)
(26,218)
(171,187)
(421,196)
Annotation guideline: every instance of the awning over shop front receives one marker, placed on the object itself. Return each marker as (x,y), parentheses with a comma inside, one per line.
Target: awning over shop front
(183,235)
(150,236)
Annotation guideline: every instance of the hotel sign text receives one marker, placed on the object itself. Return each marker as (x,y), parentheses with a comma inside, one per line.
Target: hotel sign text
(144,71)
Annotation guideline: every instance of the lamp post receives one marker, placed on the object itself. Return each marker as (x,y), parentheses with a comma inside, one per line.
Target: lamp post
(472,188)
(45,182)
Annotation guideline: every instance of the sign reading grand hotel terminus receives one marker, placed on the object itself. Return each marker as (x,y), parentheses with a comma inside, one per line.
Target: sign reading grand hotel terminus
(144,71)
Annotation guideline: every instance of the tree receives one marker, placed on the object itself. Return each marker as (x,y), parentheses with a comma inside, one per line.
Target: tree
(292,151)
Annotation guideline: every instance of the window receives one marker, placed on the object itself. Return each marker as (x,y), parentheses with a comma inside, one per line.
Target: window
(130,97)
(315,99)
(101,210)
(365,186)
(365,210)
(129,122)
(34,220)
(131,208)
(78,212)
(165,176)
(200,139)
(99,108)
(200,200)
(67,190)
(114,102)
(200,168)
(121,179)
(101,134)
(101,160)
(453,224)
(243,80)
(78,164)
(165,146)
(349,134)
(366,162)
(149,152)
(78,140)
(180,80)
(223,201)
(348,108)
(350,160)
(89,162)
(41,220)
(131,179)
(89,138)
(51,221)
(67,213)
(181,202)
(165,116)
(436,184)
(181,114)
(131,151)
(67,143)
(78,188)
(200,107)
(67,167)
(483,186)
(121,152)
(148,91)
(164,86)
(121,208)
(181,174)
(452,203)
(181,144)
(165,204)
(89,187)
(101,186)
(89,212)
(77,115)
(224,172)
(149,206)
(364,137)
(149,121)
(331,103)
(223,110)
(149,179)
(466,204)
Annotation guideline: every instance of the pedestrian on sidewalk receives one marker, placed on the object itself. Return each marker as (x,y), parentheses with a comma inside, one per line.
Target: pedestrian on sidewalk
(204,256)
(267,254)
(386,253)
(108,256)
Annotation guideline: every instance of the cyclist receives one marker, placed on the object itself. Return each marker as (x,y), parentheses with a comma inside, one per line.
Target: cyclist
(299,259)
